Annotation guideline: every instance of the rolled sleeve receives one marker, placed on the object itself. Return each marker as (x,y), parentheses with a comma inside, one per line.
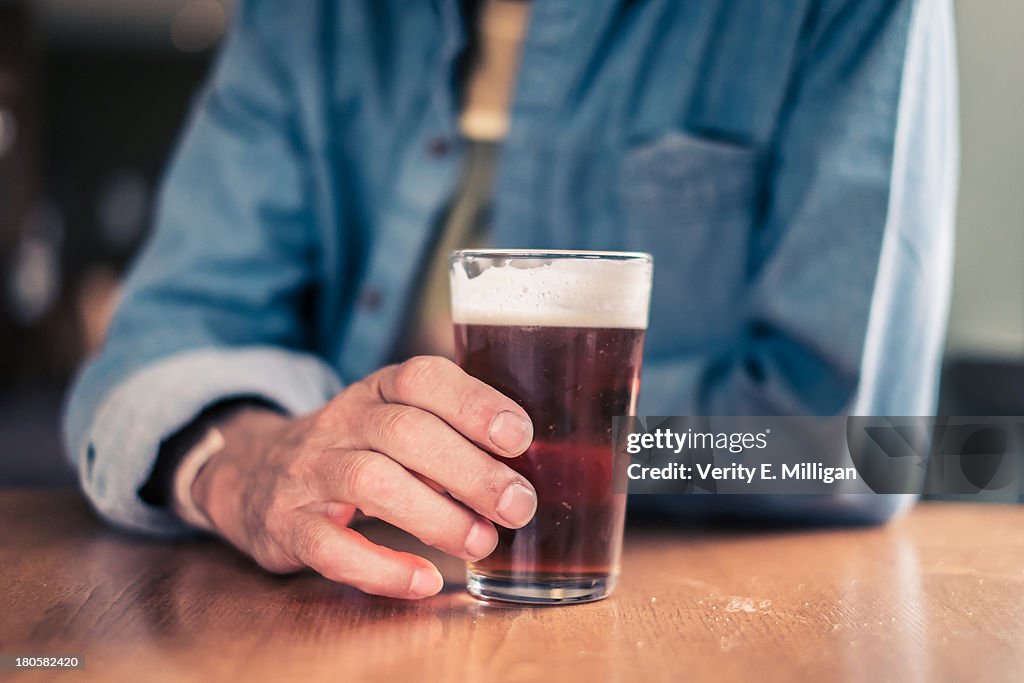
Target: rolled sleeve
(218,303)
(116,452)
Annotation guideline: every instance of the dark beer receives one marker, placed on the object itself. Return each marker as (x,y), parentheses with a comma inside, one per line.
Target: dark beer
(560,333)
(571,381)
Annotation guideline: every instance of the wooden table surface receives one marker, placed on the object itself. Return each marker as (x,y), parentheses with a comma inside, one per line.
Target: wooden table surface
(938,595)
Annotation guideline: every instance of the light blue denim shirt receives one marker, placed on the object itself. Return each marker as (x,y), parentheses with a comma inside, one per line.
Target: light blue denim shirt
(790,163)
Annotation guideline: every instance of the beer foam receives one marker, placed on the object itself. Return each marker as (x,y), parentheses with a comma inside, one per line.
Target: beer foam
(552,292)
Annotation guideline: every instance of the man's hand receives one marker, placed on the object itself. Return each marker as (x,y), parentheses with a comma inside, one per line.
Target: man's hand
(409,444)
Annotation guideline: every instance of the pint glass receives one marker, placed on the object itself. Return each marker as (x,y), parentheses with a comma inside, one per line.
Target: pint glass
(561,333)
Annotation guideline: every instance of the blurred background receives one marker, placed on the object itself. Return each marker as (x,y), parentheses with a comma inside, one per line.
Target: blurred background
(92,96)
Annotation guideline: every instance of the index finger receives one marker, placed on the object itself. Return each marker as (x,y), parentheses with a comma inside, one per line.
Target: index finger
(478,411)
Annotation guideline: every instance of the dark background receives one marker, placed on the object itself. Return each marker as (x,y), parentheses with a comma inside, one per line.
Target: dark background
(93,94)
(97,92)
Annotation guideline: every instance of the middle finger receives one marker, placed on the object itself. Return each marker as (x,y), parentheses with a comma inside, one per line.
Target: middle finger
(426,444)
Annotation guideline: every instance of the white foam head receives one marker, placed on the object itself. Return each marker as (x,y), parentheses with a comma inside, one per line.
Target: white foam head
(551,288)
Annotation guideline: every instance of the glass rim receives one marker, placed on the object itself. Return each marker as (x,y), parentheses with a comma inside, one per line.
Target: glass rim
(567,254)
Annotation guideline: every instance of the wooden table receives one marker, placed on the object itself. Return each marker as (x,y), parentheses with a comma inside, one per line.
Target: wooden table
(936,596)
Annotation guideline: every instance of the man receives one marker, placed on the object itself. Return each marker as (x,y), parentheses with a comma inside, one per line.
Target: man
(792,165)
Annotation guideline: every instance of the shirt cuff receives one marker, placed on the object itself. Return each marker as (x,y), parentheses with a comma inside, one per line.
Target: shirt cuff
(118,451)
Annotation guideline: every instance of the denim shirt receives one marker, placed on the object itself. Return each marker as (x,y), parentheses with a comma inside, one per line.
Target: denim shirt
(791,164)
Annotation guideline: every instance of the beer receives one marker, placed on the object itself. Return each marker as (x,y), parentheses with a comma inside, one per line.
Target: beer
(569,462)
(562,335)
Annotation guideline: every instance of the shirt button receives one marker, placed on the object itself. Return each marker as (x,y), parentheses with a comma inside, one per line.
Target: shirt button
(90,460)
(370,299)
(438,147)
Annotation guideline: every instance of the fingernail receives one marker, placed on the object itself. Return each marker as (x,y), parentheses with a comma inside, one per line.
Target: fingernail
(480,541)
(517,505)
(425,582)
(511,432)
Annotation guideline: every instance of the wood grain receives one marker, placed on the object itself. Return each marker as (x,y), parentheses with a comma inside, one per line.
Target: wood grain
(936,596)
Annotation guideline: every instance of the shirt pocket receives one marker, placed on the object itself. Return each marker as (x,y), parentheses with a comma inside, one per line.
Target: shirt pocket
(693,204)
